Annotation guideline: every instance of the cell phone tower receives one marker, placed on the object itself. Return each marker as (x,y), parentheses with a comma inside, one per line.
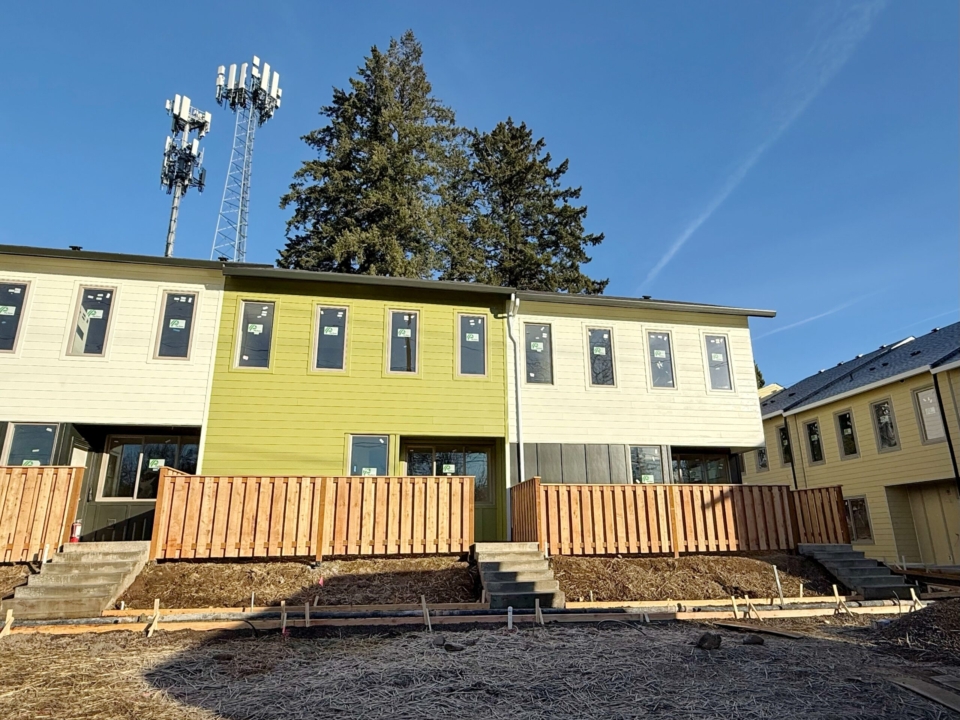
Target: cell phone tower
(254,99)
(182,159)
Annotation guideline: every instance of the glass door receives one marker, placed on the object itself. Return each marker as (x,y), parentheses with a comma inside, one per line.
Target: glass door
(454,460)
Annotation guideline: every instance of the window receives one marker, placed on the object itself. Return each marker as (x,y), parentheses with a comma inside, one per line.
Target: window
(539,354)
(93,320)
(12,298)
(331,338)
(459,461)
(31,444)
(858,519)
(369,455)
(847,436)
(403,341)
(256,334)
(762,462)
(601,356)
(884,425)
(646,466)
(132,467)
(718,361)
(661,359)
(176,325)
(928,410)
(701,467)
(786,454)
(814,442)
(472,334)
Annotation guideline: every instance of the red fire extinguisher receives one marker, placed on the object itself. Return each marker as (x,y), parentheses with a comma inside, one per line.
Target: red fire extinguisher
(75,531)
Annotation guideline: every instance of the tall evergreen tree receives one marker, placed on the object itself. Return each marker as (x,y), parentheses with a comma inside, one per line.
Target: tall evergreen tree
(522,230)
(760,381)
(371,201)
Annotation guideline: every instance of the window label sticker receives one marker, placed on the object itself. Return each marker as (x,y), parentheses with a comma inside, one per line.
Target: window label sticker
(93,314)
(847,431)
(331,331)
(536,346)
(8,310)
(599,351)
(16,291)
(473,337)
(647,479)
(254,328)
(716,357)
(660,353)
(926,410)
(30,463)
(404,332)
(156,463)
(369,472)
(178,324)
(449,469)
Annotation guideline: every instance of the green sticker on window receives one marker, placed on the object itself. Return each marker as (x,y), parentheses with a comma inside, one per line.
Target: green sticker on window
(156,463)
(536,346)
(404,332)
(94,314)
(473,337)
(254,328)
(178,324)
(716,357)
(369,472)
(331,331)
(659,353)
(449,469)
(30,463)
(647,479)
(8,310)
(599,351)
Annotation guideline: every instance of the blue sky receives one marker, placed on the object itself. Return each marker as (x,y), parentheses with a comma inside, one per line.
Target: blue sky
(800,156)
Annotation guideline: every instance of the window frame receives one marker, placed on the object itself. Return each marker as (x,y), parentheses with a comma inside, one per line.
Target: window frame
(164,293)
(458,366)
(648,355)
(704,340)
(27,296)
(526,373)
(918,409)
(8,442)
(351,436)
(464,448)
(72,322)
(849,518)
(589,364)
(388,325)
(783,461)
(665,476)
(238,341)
(853,428)
(102,474)
(315,339)
(766,454)
(809,443)
(876,425)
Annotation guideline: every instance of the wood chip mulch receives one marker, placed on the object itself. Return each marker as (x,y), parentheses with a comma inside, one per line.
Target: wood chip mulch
(11,576)
(931,634)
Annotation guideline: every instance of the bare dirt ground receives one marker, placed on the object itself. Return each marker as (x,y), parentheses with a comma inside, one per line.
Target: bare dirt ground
(608,671)
(10,577)
(694,577)
(345,582)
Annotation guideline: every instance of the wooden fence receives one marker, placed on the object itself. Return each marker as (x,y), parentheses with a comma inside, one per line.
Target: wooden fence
(37,507)
(655,519)
(235,516)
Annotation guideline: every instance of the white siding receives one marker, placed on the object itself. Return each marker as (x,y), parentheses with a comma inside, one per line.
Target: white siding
(571,411)
(42,383)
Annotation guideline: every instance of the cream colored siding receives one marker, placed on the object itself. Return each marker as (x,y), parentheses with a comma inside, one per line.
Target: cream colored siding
(42,383)
(572,411)
(777,474)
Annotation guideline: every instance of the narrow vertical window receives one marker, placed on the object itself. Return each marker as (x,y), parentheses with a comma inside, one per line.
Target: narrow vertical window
(601,356)
(256,334)
(847,437)
(762,462)
(369,455)
(814,442)
(885,427)
(646,467)
(718,360)
(32,445)
(473,345)
(12,298)
(539,353)
(93,319)
(786,454)
(931,422)
(176,325)
(331,338)
(858,519)
(661,359)
(403,341)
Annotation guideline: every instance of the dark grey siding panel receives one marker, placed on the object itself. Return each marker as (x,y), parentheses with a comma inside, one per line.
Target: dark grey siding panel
(530,465)
(620,464)
(574,463)
(598,463)
(551,468)
(514,465)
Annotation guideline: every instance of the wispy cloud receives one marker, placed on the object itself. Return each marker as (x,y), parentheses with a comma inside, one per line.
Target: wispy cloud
(818,316)
(915,323)
(831,51)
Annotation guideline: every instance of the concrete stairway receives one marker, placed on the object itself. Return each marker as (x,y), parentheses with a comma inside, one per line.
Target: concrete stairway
(79,582)
(869,578)
(516,574)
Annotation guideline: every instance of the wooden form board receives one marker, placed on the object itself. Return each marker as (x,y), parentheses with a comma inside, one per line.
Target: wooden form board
(37,507)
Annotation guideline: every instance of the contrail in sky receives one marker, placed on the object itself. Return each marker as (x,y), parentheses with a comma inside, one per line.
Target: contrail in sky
(810,319)
(824,59)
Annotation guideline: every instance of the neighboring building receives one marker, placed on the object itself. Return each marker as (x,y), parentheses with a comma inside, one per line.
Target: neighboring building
(105,361)
(884,426)
(768,390)
(631,390)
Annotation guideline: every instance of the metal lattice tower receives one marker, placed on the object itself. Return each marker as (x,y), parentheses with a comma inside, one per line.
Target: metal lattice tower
(254,99)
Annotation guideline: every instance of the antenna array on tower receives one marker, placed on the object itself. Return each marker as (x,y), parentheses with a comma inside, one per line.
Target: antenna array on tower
(182,158)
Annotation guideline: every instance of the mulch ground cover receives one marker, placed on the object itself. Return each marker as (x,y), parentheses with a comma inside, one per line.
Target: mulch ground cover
(12,576)
(345,582)
(697,577)
(930,634)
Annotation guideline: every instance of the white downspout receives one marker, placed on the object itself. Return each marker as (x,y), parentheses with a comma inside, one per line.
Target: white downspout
(511,314)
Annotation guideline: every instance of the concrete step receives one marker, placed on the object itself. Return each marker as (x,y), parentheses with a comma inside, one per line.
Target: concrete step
(811,548)
(885,592)
(517,576)
(840,555)
(75,579)
(511,588)
(510,557)
(131,546)
(874,580)
(63,591)
(839,565)
(513,566)
(97,556)
(505,547)
(38,609)
(852,573)
(526,600)
(85,568)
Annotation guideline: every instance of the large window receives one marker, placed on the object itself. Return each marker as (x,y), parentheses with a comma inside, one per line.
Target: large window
(403,341)
(701,467)
(885,426)
(93,321)
(600,341)
(763,463)
(31,444)
(133,462)
(331,338)
(369,455)
(472,336)
(814,442)
(786,453)
(928,410)
(846,435)
(176,325)
(13,296)
(661,359)
(539,352)
(458,461)
(858,519)
(646,464)
(718,361)
(256,334)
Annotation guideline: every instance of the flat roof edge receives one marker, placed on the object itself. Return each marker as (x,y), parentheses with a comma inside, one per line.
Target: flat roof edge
(639,303)
(97,256)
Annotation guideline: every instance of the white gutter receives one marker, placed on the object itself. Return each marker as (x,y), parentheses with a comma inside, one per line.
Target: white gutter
(511,314)
(858,390)
(949,366)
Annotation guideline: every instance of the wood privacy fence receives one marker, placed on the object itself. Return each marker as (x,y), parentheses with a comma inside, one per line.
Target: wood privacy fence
(652,519)
(37,507)
(236,516)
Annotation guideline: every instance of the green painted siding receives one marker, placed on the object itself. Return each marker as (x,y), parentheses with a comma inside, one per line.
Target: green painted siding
(292,420)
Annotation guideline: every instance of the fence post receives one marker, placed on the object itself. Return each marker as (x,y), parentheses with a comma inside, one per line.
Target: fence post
(73,502)
(842,514)
(158,512)
(673,503)
(540,523)
(320,488)
(794,519)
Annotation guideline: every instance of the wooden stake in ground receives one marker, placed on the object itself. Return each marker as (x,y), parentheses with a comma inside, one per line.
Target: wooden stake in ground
(306,614)
(253,598)
(801,589)
(156,618)
(736,613)
(283,616)
(916,604)
(776,576)
(8,624)
(537,615)
(426,613)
